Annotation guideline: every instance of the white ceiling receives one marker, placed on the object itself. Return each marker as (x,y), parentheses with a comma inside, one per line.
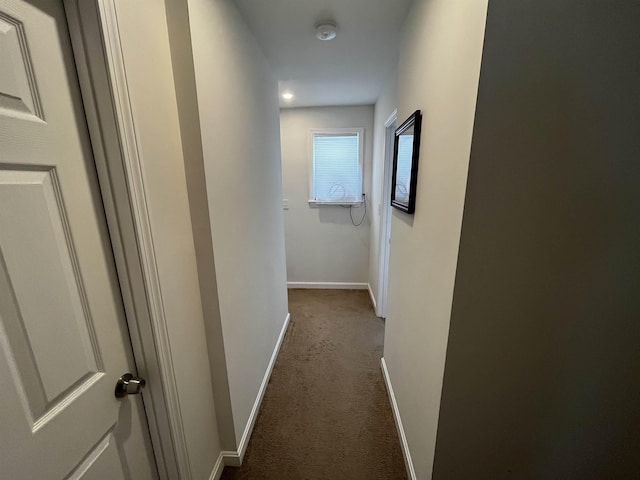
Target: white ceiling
(349,70)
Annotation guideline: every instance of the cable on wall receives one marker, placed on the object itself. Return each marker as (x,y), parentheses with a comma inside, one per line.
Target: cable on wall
(350,207)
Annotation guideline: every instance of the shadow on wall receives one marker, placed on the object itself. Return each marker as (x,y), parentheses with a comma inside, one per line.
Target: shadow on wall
(341,216)
(402,217)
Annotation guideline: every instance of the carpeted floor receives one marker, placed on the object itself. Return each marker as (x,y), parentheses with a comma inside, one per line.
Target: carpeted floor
(326,414)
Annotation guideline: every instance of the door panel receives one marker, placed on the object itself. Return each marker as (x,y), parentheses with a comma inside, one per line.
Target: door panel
(63,334)
(53,337)
(18,93)
(102,462)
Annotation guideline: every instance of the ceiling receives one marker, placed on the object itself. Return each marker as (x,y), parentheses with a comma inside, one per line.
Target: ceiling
(349,70)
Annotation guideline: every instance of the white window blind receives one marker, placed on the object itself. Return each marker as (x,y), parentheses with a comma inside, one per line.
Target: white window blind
(337,167)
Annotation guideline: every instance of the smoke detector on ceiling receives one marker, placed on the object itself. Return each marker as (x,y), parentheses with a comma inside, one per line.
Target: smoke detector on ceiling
(326,31)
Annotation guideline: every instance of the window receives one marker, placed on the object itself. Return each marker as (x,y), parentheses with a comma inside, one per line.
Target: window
(336,166)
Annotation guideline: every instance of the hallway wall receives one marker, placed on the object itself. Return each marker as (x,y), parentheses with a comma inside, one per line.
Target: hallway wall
(438,73)
(187,99)
(384,107)
(244,279)
(543,364)
(322,244)
(147,55)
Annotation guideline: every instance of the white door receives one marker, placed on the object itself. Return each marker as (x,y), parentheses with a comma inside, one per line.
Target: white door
(63,335)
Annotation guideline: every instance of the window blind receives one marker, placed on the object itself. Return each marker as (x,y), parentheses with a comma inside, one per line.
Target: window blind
(337,174)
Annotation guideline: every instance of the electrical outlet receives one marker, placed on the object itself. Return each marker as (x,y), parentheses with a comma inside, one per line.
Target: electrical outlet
(285,204)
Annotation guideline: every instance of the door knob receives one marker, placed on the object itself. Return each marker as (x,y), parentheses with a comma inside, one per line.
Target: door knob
(129,384)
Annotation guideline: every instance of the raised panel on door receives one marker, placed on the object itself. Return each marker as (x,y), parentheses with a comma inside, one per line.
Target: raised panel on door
(63,334)
(45,316)
(102,462)
(18,92)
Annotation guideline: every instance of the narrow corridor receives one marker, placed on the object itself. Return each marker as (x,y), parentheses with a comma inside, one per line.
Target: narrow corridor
(326,414)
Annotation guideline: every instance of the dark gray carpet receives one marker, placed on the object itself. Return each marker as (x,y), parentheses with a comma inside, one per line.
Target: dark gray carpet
(326,414)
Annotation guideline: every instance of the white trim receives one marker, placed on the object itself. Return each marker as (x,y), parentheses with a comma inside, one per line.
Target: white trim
(218,468)
(396,416)
(392,118)
(231,458)
(94,31)
(373,298)
(360,131)
(313,203)
(385,216)
(234,459)
(142,223)
(329,285)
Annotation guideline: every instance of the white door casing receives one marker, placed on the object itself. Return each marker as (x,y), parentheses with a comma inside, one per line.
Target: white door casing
(63,333)
(385,217)
(99,55)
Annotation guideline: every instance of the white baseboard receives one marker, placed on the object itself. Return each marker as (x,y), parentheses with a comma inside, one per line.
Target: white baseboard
(396,416)
(373,298)
(231,458)
(234,459)
(329,285)
(216,473)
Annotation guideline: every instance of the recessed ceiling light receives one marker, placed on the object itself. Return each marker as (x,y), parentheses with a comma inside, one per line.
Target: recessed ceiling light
(326,31)
(287,96)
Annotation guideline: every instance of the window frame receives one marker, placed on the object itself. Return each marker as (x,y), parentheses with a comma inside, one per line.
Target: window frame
(359,131)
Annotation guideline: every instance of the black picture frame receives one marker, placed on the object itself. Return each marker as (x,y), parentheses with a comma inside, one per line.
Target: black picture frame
(400,198)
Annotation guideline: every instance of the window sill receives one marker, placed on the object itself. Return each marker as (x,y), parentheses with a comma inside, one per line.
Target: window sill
(317,204)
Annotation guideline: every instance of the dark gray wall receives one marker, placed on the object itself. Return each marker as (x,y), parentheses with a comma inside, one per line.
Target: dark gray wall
(542,377)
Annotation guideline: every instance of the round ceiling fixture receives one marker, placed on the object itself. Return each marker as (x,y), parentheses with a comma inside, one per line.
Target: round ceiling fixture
(326,31)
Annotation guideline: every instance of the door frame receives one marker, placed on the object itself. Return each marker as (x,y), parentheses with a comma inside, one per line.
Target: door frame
(385,215)
(94,32)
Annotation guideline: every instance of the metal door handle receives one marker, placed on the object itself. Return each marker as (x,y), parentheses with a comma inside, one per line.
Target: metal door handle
(129,384)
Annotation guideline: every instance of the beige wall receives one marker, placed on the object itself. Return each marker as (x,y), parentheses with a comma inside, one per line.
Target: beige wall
(238,107)
(147,56)
(543,364)
(385,106)
(184,78)
(438,73)
(322,243)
